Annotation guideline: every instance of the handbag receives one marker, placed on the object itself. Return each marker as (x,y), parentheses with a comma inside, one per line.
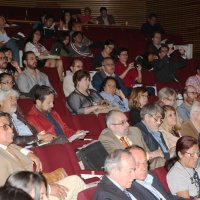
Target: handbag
(92,155)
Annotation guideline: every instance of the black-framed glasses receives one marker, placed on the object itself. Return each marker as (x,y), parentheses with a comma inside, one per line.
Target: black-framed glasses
(6,127)
(157,119)
(124,122)
(193,154)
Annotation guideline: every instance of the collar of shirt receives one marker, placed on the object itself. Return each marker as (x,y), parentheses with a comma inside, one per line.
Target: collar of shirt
(110,75)
(3,146)
(148,180)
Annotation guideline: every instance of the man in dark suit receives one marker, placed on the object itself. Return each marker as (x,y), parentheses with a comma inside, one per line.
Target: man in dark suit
(146,186)
(104,18)
(108,69)
(119,169)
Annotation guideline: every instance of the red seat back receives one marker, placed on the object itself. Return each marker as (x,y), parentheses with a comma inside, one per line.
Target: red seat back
(87,194)
(161,173)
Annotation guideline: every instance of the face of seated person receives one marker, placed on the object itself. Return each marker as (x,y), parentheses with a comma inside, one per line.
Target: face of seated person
(36,36)
(3,61)
(83,84)
(31,61)
(157,38)
(78,65)
(110,87)
(9,104)
(78,39)
(9,55)
(143,99)
(141,164)
(6,131)
(109,48)
(123,57)
(170,118)
(152,21)
(189,158)
(109,66)
(170,100)
(49,22)
(46,105)
(7,83)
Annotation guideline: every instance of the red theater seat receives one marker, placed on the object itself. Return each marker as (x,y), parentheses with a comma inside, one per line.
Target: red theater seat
(87,194)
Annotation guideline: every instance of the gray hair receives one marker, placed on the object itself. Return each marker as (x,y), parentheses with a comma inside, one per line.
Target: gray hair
(3,94)
(114,160)
(152,109)
(195,108)
(165,92)
(110,117)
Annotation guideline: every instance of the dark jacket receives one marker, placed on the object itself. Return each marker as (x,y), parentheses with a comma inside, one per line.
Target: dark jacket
(111,19)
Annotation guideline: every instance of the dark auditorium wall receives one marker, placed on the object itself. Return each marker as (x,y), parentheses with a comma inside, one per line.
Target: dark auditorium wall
(132,11)
(180,17)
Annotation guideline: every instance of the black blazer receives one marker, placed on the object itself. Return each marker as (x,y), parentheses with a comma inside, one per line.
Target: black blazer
(107,190)
(150,140)
(141,193)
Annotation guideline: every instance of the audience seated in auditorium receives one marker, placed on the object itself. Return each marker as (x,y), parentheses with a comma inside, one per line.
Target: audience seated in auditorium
(183,177)
(31,77)
(118,135)
(195,80)
(6,41)
(137,99)
(24,133)
(43,117)
(129,73)
(40,51)
(189,96)
(87,18)
(66,21)
(108,69)
(146,185)
(152,115)
(151,25)
(170,128)
(191,127)
(39,24)
(12,193)
(165,68)
(77,48)
(32,183)
(12,66)
(60,47)
(113,95)
(155,44)
(166,96)
(13,158)
(49,26)
(120,173)
(83,100)
(104,18)
(106,52)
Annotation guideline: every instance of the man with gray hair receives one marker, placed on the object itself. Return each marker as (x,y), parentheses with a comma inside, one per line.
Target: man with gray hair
(192,126)
(24,133)
(151,115)
(118,135)
(120,173)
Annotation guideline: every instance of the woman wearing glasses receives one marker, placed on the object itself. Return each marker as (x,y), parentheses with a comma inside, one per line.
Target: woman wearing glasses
(170,128)
(183,177)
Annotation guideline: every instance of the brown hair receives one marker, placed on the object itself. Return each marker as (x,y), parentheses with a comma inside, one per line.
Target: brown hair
(135,96)
(79,75)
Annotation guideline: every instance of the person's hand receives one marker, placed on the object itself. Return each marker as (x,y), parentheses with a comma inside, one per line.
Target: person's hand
(45,53)
(81,136)
(139,67)
(46,137)
(130,66)
(36,160)
(59,191)
(120,93)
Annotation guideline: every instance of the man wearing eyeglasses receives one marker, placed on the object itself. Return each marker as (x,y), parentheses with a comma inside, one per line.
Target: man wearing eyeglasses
(151,115)
(14,158)
(189,96)
(118,135)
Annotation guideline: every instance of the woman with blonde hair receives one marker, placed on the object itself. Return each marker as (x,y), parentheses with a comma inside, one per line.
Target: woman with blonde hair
(170,128)
(138,98)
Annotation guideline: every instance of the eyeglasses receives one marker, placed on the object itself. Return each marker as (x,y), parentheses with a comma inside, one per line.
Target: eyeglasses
(6,127)
(193,154)
(193,93)
(157,119)
(122,123)
(8,83)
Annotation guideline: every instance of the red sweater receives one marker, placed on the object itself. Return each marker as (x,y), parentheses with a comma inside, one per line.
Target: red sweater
(129,79)
(41,123)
